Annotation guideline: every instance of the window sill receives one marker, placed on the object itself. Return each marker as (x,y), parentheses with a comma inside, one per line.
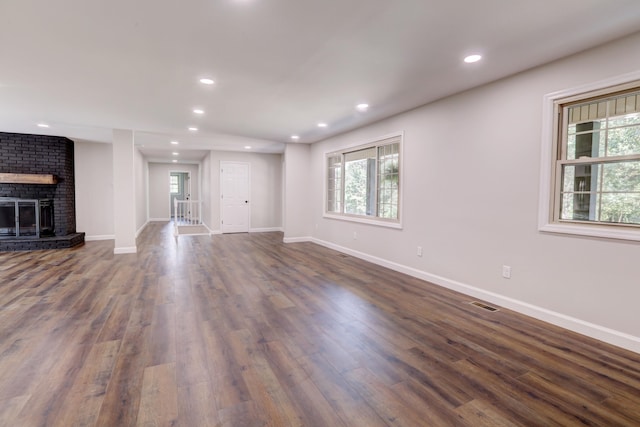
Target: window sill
(370,221)
(601,231)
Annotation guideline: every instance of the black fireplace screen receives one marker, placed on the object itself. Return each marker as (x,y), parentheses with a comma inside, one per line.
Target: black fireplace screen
(26,218)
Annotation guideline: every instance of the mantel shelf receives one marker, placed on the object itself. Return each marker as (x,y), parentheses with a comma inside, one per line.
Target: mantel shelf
(27,178)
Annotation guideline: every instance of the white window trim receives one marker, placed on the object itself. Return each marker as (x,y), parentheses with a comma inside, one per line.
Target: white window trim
(546,221)
(358,218)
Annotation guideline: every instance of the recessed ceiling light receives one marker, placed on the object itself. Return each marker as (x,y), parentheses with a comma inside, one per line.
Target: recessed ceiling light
(43,125)
(295,137)
(175,142)
(175,153)
(472,58)
(362,107)
(322,125)
(174,161)
(198,111)
(247,147)
(193,129)
(206,81)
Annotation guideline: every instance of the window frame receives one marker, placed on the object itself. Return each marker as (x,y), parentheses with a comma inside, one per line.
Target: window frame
(371,220)
(171,184)
(551,160)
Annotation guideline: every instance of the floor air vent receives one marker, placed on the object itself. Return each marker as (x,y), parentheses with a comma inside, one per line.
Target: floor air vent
(484,306)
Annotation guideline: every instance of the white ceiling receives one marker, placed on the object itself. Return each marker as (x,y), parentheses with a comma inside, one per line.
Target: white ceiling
(280,66)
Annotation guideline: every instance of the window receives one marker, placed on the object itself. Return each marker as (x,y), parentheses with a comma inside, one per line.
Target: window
(174,184)
(363,183)
(595,163)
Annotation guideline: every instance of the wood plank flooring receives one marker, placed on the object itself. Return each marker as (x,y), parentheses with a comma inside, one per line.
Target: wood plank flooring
(243,330)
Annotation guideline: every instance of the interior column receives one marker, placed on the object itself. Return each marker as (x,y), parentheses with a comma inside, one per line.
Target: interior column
(124,192)
(297,206)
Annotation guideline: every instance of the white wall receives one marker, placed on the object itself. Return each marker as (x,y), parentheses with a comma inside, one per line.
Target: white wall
(141,173)
(297,209)
(159,199)
(94,189)
(266,188)
(206,191)
(471,173)
(124,195)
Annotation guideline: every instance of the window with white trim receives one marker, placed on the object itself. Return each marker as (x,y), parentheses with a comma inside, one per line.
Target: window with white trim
(174,184)
(364,182)
(596,178)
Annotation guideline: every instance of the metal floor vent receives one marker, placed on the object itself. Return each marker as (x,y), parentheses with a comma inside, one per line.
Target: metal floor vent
(484,306)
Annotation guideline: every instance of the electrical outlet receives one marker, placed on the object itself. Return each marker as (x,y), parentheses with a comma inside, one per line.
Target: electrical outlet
(419,251)
(506,271)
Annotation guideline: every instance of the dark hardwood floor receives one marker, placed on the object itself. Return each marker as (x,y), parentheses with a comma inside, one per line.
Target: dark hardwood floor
(243,330)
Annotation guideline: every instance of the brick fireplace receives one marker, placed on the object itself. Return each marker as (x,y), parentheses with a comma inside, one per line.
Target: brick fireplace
(37,156)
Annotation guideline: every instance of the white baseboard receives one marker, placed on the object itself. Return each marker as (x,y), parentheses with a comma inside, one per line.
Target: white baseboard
(125,250)
(207,227)
(265,229)
(211,232)
(592,330)
(253,230)
(141,229)
(301,239)
(112,236)
(99,237)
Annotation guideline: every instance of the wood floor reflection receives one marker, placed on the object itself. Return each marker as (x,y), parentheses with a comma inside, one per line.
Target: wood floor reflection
(243,330)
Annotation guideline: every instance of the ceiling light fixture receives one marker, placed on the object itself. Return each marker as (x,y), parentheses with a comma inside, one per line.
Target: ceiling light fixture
(472,58)
(295,137)
(174,161)
(247,147)
(43,125)
(206,81)
(175,153)
(362,107)
(175,142)
(193,129)
(198,111)
(322,125)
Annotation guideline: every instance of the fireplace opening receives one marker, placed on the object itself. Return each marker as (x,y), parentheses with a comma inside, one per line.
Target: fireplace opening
(26,218)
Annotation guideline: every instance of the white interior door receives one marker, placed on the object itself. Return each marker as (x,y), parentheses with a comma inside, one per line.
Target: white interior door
(234,193)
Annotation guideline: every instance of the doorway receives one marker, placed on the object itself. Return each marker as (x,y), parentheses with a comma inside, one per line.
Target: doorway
(179,188)
(234,192)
